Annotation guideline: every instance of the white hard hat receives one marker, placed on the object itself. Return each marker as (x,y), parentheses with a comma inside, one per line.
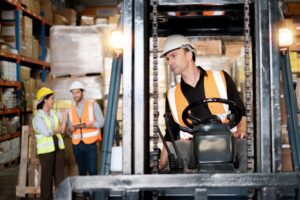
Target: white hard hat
(176,42)
(77,85)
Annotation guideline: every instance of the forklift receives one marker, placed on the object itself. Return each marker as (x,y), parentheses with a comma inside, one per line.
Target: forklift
(258,21)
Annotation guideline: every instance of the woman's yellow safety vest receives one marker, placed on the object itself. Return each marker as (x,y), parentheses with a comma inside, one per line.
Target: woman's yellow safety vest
(45,144)
(214,87)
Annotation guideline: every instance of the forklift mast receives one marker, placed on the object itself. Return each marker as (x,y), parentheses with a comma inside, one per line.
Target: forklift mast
(266,181)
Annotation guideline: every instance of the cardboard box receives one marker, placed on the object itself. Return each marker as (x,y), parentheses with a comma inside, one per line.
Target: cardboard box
(69,14)
(25,73)
(36,7)
(87,20)
(28,4)
(294,61)
(35,49)
(8,70)
(26,47)
(100,20)
(11,41)
(234,49)
(27,27)
(114,20)
(8,29)
(46,10)
(8,15)
(60,20)
(103,11)
(208,47)
(29,86)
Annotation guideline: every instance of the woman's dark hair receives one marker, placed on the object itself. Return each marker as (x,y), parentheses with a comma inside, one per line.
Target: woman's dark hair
(40,105)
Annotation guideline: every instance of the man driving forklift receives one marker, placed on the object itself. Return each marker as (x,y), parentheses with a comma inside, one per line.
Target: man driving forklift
(198,84)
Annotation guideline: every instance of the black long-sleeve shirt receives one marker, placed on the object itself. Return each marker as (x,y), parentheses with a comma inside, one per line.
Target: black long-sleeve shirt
(196,93)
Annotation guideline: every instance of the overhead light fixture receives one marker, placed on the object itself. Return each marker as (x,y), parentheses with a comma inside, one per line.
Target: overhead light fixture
(116,40)
(285,37)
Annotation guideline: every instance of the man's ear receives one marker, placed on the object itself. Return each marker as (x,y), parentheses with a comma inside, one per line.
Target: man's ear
(189,55)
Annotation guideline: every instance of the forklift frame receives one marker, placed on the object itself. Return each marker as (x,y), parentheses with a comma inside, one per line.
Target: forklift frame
(266,105)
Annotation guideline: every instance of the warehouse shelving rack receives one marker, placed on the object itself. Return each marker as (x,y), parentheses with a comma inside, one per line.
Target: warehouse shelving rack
(41,26)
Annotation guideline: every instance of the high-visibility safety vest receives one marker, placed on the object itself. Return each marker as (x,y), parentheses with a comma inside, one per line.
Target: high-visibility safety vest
(45,144)
(214,87)
(87,135)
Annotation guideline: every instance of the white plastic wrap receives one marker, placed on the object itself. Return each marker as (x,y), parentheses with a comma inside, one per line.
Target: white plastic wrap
(76,50)
(92,84)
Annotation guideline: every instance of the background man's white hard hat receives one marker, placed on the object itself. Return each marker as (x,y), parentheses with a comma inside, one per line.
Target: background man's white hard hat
(176,42)
(77,85)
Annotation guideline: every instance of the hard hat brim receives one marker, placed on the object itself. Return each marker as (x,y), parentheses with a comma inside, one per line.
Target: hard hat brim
(165,53)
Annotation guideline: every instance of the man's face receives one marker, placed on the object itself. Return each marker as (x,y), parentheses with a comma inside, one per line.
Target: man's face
(177,60)
(77,95)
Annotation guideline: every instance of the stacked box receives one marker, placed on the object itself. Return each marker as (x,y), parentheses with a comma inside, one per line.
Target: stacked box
(8,15)
(59,20)
(99,20)
(8,27)
(87,21)
(294,60)
(8,30)
(69,14)
(9,98)
(208,47)
(29,4)
(27,27)
(234,49)
(8,70)
(215,63)
(36,7)
(27,47)
(46,10)
(93,85)
(114,20)
(4,124)
(76,50)
(30,92)
(35,49)
(10,150)
(25,73)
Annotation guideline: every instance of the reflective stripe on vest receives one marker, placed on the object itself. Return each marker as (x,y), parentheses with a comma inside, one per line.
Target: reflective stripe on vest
(45,144)
(87,135)
(214,87)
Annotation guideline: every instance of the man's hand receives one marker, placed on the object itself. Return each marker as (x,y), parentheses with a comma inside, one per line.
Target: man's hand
(239,134)
(71,129)
(88,125)
(241,129)
(57,131)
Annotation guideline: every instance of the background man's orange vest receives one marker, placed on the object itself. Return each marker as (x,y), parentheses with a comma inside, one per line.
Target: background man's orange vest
(87,135)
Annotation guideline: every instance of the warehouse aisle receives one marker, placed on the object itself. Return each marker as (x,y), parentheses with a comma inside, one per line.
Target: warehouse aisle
(8,182)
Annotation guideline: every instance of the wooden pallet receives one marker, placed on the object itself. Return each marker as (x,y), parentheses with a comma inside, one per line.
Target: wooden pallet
(28,181)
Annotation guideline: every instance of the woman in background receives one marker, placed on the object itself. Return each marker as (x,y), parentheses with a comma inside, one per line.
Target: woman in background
(48,127)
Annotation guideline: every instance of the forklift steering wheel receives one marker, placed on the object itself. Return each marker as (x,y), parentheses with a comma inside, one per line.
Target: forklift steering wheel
(233,118)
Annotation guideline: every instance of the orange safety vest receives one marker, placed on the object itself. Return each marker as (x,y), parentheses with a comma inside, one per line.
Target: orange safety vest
(87,135)
(214,87)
